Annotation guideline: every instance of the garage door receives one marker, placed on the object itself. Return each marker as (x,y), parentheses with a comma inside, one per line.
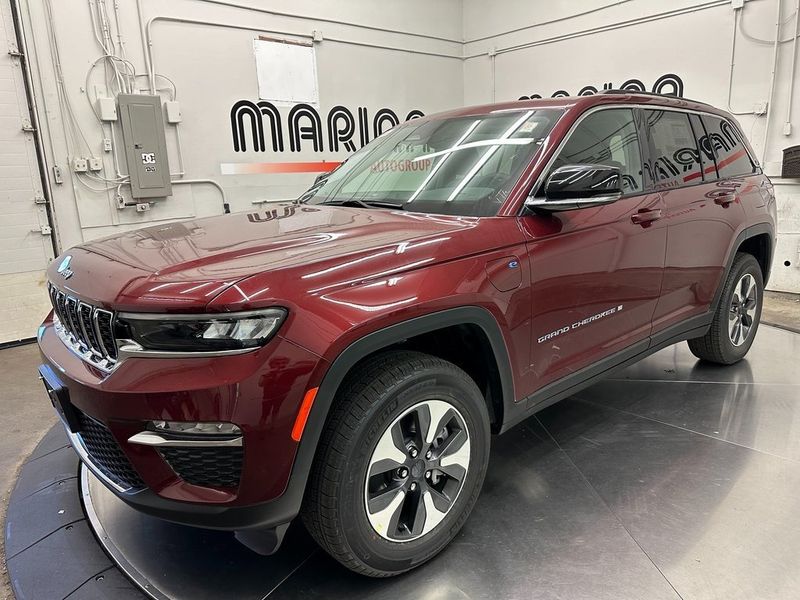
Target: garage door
(25,246)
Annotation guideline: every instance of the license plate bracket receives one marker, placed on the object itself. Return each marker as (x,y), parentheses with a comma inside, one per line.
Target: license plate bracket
(59,398)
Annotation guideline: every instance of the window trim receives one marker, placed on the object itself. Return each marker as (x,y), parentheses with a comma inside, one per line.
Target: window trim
(540,180)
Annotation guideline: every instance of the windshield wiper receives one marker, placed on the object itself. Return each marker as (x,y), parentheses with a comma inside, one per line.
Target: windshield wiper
(365,203)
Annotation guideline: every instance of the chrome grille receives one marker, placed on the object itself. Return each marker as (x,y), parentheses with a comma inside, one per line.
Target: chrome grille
(86,329)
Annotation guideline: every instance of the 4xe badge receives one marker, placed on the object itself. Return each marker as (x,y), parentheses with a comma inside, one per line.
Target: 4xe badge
(63,268)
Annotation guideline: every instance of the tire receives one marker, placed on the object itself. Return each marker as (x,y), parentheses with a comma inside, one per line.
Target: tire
(390,393)
(721,344)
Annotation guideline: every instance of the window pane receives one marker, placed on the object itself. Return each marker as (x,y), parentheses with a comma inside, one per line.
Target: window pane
(455,166)
(706,153)
(676,160)
(732,157)
(606,137)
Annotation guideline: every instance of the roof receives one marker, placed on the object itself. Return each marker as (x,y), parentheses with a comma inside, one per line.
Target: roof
(585,102)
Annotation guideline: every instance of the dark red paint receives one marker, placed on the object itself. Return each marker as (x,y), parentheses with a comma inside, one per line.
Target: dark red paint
(345,272)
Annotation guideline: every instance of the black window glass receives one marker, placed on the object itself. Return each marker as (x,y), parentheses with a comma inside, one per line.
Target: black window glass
(704,146)
(675,160)
(606,137)
(732,157)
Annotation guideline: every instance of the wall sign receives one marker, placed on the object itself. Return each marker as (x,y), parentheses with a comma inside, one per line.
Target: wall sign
(260,127)
(669,84)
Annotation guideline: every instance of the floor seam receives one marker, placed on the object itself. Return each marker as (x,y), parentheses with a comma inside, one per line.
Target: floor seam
(289,574)
(686,429)
(41,539)
(88,579)
(35,458)
(696,381)
(51,484)
(600,497)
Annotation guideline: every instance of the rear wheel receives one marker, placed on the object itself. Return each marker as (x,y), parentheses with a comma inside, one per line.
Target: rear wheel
(400,464)
(739,312)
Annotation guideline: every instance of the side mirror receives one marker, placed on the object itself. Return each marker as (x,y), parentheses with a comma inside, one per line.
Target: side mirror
(579,186)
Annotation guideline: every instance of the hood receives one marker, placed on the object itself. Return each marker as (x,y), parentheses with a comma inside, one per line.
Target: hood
(184,265)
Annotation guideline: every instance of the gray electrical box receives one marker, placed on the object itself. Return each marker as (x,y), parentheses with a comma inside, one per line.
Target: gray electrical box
(145,145)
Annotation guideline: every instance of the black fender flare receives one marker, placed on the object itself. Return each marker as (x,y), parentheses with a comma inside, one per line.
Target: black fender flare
(370,343)
(747,233)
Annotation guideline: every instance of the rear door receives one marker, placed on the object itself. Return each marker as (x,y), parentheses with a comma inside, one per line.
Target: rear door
(596,272)
(703,213)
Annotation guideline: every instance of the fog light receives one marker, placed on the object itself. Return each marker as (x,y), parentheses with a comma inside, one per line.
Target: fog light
(196,428)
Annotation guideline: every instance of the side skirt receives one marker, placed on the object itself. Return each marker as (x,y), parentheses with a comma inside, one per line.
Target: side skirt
(563,388)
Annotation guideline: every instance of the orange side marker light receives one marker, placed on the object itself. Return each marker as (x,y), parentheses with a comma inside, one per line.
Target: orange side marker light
(302,414)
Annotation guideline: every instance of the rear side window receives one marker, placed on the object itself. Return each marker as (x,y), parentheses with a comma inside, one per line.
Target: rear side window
(731,154)
(675,159)
(606,137)
(704,147)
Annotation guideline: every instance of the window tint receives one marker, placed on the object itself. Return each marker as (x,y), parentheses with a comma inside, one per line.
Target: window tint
(706,153)
(606,137)
(674,154)
(725,140)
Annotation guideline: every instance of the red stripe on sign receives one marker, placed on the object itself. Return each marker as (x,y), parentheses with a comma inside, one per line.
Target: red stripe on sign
(278,167)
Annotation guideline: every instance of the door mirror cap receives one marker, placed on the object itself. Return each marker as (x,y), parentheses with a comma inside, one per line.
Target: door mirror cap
(579,186)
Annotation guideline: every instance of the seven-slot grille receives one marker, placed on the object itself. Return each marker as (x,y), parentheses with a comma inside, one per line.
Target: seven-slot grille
(85,328)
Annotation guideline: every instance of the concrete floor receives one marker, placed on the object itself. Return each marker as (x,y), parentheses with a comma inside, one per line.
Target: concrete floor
(782,309)
(27,413)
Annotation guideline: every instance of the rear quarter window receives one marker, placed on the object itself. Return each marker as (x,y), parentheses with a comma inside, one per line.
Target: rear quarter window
(725,141)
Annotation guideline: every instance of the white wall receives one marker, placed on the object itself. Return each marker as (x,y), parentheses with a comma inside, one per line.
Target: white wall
(213,66)
(646,39)
(420,64)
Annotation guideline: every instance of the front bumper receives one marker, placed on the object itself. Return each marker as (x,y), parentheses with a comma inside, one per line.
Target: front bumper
(259,391)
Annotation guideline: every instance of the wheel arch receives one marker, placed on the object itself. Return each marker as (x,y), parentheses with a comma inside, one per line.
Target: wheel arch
(387,337)
(757,240)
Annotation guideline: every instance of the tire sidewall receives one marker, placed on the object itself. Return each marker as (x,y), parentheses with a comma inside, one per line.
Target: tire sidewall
(434,384)
(748,265)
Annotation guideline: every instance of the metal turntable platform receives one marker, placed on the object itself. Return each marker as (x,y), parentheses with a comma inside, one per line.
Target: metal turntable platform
(671,479)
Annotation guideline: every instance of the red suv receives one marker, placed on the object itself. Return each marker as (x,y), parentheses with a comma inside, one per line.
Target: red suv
(346,357)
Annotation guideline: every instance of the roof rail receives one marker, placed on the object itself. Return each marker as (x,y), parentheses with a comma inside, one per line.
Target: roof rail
(654,94)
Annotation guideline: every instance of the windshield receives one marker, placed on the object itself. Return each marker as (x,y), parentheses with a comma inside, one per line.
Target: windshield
(459,166)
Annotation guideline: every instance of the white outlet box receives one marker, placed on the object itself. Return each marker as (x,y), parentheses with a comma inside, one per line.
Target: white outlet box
(760,108)
(80,165)
(107,109)
(142,207)
(95,164)
(173,110)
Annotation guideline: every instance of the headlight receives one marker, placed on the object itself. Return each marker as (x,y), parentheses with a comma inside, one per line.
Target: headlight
(201,333)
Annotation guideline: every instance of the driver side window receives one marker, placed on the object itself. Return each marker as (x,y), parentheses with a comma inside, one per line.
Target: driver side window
(606,137)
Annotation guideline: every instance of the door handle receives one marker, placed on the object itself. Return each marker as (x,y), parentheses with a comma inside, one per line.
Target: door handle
(645,216)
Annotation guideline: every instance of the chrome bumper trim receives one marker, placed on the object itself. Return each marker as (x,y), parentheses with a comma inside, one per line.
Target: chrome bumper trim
(151,438)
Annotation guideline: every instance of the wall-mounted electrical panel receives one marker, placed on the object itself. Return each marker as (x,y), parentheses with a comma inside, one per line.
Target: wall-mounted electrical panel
(145,145)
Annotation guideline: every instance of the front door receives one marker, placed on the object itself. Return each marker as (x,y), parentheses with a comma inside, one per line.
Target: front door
(596,272)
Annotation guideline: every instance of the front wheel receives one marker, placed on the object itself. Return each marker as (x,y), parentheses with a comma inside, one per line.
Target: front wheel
(739,312)
(400,464)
